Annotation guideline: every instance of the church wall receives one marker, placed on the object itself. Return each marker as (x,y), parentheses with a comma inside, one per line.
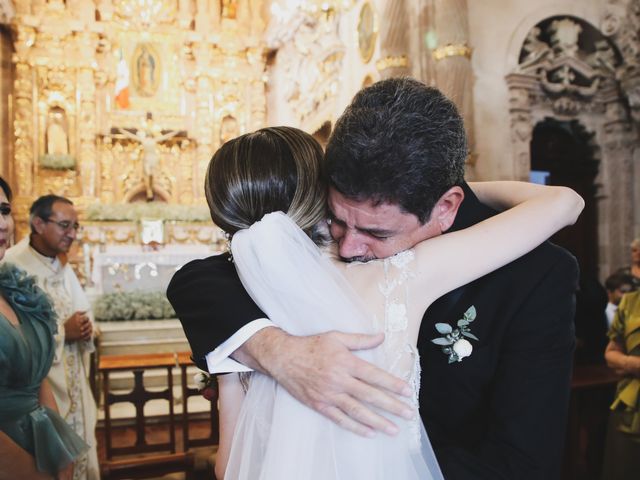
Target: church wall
(495,55)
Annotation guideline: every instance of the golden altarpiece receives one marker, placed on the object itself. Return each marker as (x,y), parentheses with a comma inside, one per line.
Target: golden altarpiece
(117,102)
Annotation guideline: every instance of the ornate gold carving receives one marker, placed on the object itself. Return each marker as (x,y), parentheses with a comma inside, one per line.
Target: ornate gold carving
(66,61)
(451,50)
(398,61)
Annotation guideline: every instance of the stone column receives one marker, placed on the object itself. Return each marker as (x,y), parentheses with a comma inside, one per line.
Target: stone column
(394,40)
(520,86)
(617,207)
(453,73)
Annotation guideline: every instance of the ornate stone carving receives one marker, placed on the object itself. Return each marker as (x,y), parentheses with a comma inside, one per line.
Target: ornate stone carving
(310,56)
(570,71)
(621,23)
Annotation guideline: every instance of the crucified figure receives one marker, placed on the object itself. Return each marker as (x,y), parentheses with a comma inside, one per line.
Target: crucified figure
(149,153)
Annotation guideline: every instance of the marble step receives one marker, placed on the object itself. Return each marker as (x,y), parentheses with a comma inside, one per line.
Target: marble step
(124,347)
(142,336)
(140,330)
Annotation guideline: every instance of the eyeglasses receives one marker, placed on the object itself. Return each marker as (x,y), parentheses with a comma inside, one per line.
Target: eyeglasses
(65,225)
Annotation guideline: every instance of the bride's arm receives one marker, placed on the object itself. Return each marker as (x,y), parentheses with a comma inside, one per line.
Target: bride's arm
(230,397)
(537,212)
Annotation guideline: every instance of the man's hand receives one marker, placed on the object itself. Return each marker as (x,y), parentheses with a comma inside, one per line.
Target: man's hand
(322,372)
(78,327)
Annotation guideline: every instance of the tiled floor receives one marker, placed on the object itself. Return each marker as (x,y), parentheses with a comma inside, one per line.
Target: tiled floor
(158,432)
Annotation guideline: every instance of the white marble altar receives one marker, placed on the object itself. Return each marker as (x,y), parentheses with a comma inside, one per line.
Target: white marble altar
(134,267)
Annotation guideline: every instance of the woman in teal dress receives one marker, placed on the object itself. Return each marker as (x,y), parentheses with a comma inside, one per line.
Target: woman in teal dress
(35,442)
(622,451)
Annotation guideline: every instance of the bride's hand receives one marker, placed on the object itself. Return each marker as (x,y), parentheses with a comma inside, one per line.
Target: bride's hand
(322,372)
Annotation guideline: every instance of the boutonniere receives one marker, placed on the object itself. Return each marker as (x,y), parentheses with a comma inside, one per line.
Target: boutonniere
(453,341)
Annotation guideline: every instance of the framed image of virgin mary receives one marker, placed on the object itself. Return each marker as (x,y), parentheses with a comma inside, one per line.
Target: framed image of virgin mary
(146,69)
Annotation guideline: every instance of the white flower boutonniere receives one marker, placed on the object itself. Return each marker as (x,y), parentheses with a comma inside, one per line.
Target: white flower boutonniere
(453,342)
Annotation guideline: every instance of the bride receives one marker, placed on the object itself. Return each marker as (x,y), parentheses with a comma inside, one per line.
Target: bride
(265,189)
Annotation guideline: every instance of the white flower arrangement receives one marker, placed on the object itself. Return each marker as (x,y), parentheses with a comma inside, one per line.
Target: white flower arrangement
(135,305)
(453,341)
(57,162)
(147,210)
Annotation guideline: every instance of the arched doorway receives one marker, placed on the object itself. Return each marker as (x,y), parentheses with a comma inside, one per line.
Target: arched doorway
(565,150)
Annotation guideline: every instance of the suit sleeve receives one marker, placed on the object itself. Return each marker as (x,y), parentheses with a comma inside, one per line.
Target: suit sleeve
(530,395)
(211,303)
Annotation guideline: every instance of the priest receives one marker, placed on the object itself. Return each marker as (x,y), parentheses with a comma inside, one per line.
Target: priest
(54,226)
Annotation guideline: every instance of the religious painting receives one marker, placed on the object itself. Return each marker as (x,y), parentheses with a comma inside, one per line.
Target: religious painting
(146,70)
(367,32)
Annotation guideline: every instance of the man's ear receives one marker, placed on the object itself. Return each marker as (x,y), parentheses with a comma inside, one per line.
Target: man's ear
(446,208)
(38,225)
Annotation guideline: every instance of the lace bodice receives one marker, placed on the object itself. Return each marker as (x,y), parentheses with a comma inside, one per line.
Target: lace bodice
(388,298)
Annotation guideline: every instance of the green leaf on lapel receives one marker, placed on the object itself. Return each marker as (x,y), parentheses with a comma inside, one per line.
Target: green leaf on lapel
(442,341)
(470,314)
(443,328)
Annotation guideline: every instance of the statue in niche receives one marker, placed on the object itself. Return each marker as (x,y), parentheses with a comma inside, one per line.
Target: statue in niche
(57,141)
(146,70)
(228,129)
(149,142)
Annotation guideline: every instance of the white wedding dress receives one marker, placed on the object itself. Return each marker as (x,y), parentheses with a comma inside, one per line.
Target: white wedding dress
(302,291)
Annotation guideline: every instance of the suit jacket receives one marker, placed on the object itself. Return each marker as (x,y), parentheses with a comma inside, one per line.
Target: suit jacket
(499,413)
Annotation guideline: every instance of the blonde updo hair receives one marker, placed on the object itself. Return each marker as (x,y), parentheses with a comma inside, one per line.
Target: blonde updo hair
(272,169)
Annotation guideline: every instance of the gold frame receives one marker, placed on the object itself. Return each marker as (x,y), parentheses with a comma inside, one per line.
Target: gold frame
(367,31)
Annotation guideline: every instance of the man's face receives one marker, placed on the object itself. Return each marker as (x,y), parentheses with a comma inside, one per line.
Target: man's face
(59,231)
(365,231)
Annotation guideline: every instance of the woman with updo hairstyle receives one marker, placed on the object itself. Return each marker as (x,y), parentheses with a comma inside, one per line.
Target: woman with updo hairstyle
(272,169)
(35,442)
(267,192)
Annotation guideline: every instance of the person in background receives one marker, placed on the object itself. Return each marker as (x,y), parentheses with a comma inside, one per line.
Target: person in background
(35,443)
(622,451)
(54,225)
(617,285)
(634,268)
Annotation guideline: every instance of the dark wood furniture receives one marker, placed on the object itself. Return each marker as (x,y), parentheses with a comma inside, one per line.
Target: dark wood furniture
(151,459)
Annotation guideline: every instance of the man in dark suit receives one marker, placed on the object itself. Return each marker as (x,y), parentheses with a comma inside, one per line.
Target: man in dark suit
(395,166)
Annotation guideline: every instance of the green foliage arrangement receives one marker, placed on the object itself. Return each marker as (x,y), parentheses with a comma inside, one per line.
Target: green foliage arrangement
(134,305)
(133,212)
(57,162)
